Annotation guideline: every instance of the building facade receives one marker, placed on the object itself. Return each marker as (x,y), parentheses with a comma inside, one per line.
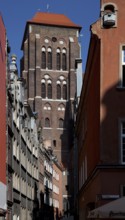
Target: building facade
(3,64)
(50,47)
(57,192)
(9,147)
(101,112)
(23,151)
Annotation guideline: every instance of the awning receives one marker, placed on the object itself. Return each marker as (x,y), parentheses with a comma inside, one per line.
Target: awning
(114,209)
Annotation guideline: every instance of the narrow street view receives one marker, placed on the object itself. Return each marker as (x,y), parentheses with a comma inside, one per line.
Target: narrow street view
(62,130)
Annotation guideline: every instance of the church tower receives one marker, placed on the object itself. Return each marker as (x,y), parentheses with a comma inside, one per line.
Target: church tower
(51,48)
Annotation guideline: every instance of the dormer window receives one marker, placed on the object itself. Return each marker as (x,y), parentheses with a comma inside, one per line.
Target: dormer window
(109,15)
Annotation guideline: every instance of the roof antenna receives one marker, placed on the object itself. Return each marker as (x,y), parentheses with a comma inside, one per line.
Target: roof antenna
(47,7)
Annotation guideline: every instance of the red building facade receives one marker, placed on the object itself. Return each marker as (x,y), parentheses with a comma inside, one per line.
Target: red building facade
(101,113)
(2,118)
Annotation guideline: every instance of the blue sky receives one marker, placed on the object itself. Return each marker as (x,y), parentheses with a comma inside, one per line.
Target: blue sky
(15,13)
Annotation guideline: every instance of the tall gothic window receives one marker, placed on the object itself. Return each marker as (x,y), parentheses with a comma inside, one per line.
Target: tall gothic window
(49,58)
(46,87)
(58,59)
(64,91)
(43,58)
(58,91)
(64,62)
(49,92)
(61,123)
(43,90)
(47,122)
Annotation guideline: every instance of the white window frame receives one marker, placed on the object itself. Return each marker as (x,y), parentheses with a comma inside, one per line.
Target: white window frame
(123,54)
(122,63)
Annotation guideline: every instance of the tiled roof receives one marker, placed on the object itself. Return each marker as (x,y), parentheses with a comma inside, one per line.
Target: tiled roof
(53,19)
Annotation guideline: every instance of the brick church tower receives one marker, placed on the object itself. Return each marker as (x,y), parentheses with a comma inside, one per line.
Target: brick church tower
(51,47)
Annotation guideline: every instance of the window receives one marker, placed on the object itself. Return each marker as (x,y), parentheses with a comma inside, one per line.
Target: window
(64,61)
(54,143)
(83,172)
(109,15)
(61,123)
(122,187)
(47,122)
(123,67)
(47,106)
(123,75)
(43,58)
(46,87)
(49,91)
(64,64)
(85,167)
(123,142)
(64,91)
(58,91)
(49,58)
(43,92)
(61,88)
(109,8)
(123,54)
(58,59)
(65,204)
(61,107)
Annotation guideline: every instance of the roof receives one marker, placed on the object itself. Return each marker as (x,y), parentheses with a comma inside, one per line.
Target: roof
(50,19)
(53,20)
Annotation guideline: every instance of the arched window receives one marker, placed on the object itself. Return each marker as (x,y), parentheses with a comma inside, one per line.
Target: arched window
(61,107)
(49,58)
(43,58)
(64,91)
(109,8)
(47,106)
(47,122)
(109,15)
(43,90)
(58,91)
(49,92)
(64,62)
(61,123)
(58,59)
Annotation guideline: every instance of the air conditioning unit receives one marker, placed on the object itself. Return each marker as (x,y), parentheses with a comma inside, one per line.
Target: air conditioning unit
(109,19)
